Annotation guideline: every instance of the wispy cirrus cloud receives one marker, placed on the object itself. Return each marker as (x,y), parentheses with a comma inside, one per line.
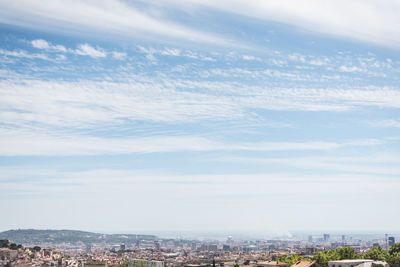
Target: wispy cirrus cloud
(23,54)
(28,142)
(390,123)
(374,164)
(82,49)
(88,103)
(368,21)
(118,18)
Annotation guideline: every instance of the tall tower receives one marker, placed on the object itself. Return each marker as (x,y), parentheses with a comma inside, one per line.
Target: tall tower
(386,241)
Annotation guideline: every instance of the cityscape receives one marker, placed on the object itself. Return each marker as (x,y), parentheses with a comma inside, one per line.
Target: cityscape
(57,248)
(200,133)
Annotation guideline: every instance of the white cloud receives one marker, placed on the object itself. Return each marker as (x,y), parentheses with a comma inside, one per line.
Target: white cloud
(118,55)
(112,17)
(374,164)
(86,104)
(20,142)
(150,52)
(366,20)
(386,123)
(350,69)
(88,50)
(23,54)
(43,44)
(251,58)
(171,52)
(82,50)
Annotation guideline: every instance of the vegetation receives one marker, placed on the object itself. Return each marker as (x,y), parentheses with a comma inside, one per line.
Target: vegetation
(395,248)
(5,243)
(377,254)
(292,259)
(343,253)
(392,257)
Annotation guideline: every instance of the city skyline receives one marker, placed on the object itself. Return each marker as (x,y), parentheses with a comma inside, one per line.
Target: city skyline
(203,116)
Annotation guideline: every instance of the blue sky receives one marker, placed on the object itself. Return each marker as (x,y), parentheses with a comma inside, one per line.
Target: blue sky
(261,116)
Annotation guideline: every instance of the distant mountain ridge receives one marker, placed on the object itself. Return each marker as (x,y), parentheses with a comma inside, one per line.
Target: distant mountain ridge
(33,236)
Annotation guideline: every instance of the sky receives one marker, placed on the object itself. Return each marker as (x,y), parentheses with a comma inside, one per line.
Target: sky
(214,116)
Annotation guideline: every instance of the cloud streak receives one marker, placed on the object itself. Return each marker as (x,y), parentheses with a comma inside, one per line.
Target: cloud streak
(30,143)
(82,50)
(365,20)
(87,103)
(111,16)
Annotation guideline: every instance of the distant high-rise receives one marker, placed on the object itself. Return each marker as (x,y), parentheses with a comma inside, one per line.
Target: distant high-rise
(310,239)
(326,237)
(391,241)
(343,238)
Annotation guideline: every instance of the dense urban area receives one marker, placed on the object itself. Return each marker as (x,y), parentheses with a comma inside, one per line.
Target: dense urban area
(76,248)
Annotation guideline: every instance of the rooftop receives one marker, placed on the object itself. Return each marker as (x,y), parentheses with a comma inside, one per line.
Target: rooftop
(351,261)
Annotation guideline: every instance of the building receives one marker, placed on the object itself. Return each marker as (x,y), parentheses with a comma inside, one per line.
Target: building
(226,247)
(272,264)
(391,241)
(212,247)
(350,263)
(306,264)
(94,264)
(145,263)
(310,250)
(326,237)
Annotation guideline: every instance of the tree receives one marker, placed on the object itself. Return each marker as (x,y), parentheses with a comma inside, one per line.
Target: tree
(377,254)
(4,243)
(323,257)
(395,248)
(36,248)
(347,253)
(343,253)
(289,259)
(394,259)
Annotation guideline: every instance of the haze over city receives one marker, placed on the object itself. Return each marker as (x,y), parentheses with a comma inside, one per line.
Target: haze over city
(265,117)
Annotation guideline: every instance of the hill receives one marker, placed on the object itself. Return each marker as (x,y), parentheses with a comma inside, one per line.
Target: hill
(32,236)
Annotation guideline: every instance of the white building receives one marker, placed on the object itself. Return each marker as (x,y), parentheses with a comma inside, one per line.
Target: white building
(350,263)
(145,263)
